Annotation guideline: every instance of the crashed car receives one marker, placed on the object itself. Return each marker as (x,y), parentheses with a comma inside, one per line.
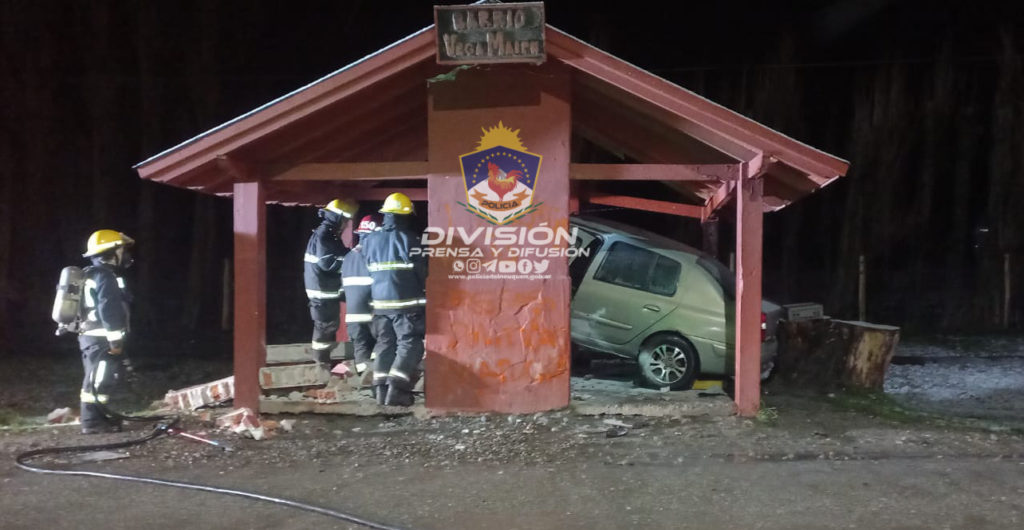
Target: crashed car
(671,307)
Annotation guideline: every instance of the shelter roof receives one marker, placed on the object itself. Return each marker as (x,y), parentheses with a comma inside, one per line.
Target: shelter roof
(361,131)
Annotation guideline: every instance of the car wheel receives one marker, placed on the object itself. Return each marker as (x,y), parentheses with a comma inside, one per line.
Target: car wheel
(669,361)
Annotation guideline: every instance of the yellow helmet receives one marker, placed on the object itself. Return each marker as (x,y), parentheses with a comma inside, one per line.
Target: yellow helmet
(103,240)
(397,203)
(342,207)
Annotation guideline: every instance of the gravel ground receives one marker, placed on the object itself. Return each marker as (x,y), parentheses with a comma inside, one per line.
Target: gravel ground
(806,460)
(973,377)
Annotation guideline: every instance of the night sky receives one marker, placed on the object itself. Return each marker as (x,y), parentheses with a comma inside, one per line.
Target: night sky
(917,95)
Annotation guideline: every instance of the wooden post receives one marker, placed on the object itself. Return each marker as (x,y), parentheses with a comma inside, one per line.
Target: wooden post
(225,298)
(862,298)
(250,348)
(749,219)
(709,231)
(1006,290)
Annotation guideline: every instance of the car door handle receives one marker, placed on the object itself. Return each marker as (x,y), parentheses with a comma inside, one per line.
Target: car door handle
(651,307)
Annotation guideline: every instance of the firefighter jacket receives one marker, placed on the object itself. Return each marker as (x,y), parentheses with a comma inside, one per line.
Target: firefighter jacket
(324,254)
(104,303)
(356,281)
(398,269)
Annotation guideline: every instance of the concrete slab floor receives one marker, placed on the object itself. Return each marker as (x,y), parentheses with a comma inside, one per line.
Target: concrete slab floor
(590,397)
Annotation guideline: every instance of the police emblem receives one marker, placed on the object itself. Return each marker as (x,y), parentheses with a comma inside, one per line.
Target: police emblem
(500,177)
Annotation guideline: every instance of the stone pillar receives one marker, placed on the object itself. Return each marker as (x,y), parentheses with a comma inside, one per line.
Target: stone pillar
(502,343)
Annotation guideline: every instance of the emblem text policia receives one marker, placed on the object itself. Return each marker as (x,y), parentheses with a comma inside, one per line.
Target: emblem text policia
(490,33)
(500,177)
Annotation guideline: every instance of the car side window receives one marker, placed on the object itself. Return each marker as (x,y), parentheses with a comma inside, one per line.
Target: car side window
(587,246)
(637,268)
(665,276)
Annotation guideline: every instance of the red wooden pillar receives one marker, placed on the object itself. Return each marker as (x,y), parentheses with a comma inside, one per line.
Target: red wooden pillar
(498,344)
(749,217)
(250,348)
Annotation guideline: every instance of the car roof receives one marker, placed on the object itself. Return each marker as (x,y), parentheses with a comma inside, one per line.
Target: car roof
(637,235)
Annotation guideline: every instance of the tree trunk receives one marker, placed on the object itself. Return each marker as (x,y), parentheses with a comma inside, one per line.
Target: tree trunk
(827,355)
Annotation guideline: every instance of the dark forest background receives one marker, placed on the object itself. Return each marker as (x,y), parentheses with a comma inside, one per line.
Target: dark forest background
(925,99)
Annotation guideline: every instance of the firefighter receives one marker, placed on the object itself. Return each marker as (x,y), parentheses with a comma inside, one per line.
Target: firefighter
(356,281)
(399,274)
(105,316)
(322,276)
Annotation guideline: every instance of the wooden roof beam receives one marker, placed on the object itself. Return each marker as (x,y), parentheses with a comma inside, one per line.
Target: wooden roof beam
(314,193)
(669,172)
(650,205)
(334,171)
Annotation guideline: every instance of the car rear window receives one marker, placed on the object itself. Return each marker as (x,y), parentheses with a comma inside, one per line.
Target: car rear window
(637,268)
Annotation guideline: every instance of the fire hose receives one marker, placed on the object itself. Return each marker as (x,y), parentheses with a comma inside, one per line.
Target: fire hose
(167,425)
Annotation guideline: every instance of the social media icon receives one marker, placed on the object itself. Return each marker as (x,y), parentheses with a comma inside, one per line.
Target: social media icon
(473,266)
(507,266)
(540,267)
(458,265)
(491,266)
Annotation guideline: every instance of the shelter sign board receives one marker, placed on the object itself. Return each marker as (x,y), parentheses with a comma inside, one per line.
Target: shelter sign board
(490,33)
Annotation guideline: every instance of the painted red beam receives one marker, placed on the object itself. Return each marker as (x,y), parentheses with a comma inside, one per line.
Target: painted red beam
(335,171)
(250,345)
(650,205)
(690,172)
(749,226)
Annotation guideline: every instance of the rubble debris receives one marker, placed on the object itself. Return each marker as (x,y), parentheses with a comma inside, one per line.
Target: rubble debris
(287,425)
(617,423)
(342,370)
(207,394)
(239,417)
(61,415)
(294,375)
(616,432)
(323,395)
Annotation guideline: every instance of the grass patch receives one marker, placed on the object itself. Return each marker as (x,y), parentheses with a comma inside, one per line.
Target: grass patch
(767,415)
(11,418)
(882,406)
(877,404)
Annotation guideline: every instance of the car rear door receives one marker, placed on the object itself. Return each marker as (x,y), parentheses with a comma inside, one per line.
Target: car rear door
(626,290)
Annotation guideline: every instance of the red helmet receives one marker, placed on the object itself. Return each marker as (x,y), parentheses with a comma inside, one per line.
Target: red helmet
(368,224)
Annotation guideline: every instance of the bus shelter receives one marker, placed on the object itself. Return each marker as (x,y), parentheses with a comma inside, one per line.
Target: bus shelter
(443,119)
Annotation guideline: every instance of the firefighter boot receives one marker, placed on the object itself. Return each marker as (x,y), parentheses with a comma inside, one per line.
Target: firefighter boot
(399,394)
(380,392)
(94,421)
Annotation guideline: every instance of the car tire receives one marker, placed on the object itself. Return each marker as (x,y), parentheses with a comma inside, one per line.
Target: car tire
(668,361)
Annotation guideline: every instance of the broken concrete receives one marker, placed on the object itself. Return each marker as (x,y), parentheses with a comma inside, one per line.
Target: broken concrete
(297,353)
(61,415)
(206,394)
(293,375)
(362,406)
(594,397)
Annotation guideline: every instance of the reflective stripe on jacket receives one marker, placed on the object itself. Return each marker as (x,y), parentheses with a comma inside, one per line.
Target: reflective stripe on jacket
(356,280)
(399,274)
(322,263)
(104,303)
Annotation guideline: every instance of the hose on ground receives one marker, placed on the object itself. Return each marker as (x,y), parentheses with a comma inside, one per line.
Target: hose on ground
(162,429)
